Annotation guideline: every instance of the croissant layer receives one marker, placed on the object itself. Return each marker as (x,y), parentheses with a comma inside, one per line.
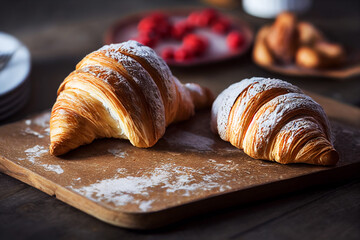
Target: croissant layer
(273,120)
(121,91)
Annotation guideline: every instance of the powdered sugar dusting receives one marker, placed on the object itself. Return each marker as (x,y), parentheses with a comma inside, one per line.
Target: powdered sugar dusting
(144,82)
(151,57)
(42,120)
(28,130)
(103,73)
(118,153)
(284,104)
(151,60)
(296,126)
(145,205)
(39,121)
(34,153)
(224,102)
(53,168)
(171,179)
(258,136)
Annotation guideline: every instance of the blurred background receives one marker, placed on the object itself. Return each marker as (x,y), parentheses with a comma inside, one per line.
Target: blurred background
(59,34)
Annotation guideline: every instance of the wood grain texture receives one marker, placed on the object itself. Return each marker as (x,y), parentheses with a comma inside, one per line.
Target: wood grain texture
(189,171)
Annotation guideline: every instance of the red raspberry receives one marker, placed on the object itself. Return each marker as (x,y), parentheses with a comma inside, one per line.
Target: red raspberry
(202,18)
(155,24)
(180,29)
(147,40)
(235,40)
(207,17)
(147,25)
(183,54)
(162,24)
(164,29)
(167,54)
(159,17)
(193,19)
(196,44)
(221,26)
(212,13)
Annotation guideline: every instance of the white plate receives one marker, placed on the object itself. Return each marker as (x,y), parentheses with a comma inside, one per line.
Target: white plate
(9,98)
(17,70)
(15,105)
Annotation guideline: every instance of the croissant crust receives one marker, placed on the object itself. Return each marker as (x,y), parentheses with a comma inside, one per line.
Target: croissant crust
(273,120)
(122,91)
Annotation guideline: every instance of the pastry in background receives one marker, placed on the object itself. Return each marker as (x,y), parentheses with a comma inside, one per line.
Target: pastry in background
(261,52)
(321,55)
(271,119)
(282,39)
(288,41)
(308,34)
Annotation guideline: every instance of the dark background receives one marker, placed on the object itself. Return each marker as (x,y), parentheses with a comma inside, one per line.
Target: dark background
(60,33)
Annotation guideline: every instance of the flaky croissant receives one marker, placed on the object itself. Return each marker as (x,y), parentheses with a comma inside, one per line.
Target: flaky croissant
(282,38)
(321,55)
(308,34)
(273,120)
(261,52)
(122,91)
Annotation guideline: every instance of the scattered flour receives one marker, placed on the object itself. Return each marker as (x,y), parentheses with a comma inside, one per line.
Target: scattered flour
(118,153)
(121,170)
(32,154)
(28,130)
(172,179)
(42,120)
(47,131)
(53,168)
(145,205)
(35,152)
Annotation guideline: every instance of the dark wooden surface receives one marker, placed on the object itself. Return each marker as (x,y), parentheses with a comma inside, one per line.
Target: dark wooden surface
(60,34)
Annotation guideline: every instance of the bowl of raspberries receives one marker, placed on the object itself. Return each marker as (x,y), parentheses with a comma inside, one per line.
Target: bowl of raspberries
(184,37)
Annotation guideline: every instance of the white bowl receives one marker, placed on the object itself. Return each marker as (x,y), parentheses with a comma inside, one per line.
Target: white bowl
(271,8)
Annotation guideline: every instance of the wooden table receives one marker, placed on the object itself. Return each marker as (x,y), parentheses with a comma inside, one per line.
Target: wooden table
(60,34)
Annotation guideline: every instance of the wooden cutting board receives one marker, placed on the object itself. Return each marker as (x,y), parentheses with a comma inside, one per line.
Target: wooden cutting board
(189,171)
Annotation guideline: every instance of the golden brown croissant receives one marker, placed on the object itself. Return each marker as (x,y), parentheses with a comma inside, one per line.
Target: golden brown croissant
(288,41)
(321,55)
(308,34)
(273,120)
(261,52)
(282,38)
(122,91)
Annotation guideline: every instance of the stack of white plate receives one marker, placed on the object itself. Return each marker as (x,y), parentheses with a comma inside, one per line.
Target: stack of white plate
(14,83)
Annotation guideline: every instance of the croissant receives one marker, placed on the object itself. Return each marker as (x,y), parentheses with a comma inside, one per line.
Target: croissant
(321,55)
(121,91)
(308,34)
(289,41)
(282,38)
(273,120)
(261,52)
